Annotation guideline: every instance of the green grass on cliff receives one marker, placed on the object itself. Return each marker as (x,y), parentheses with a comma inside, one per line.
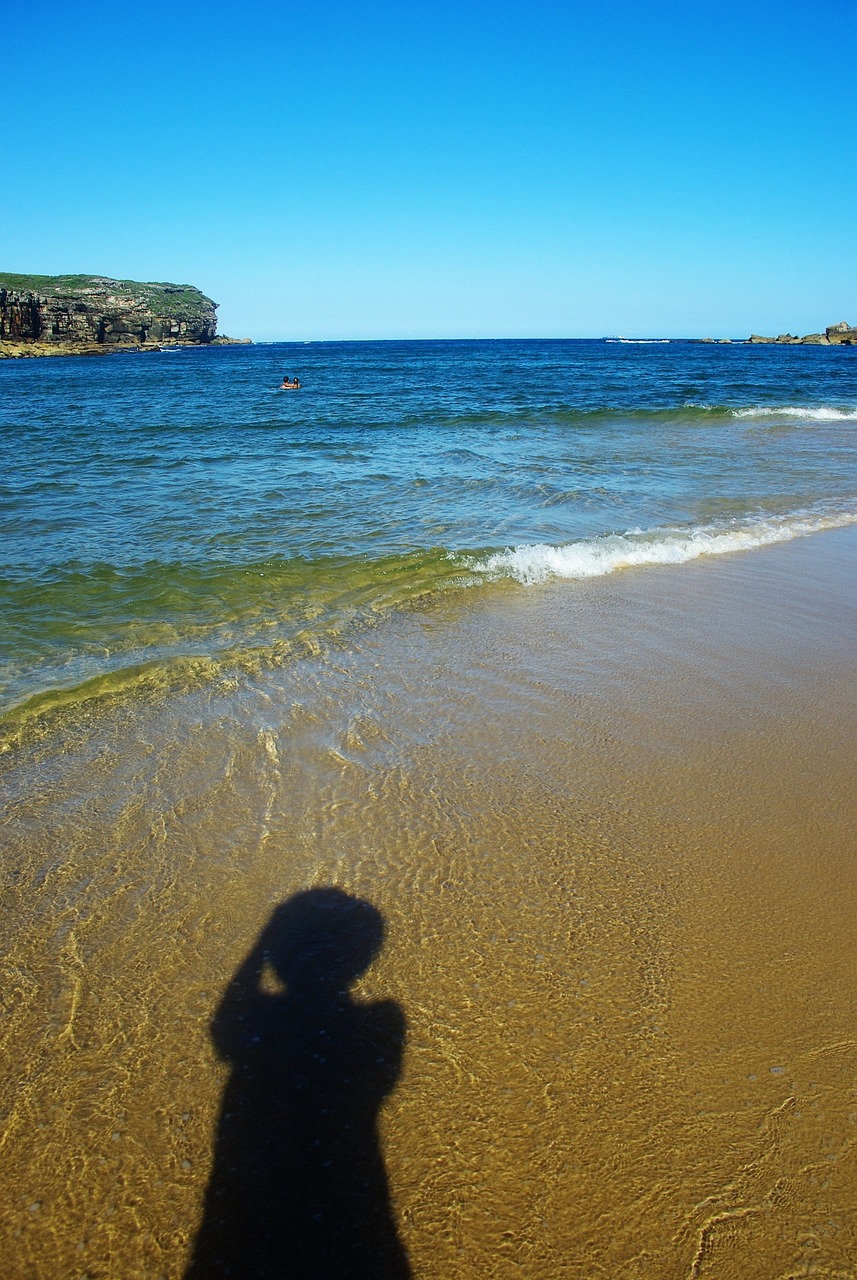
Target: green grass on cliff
(179,300)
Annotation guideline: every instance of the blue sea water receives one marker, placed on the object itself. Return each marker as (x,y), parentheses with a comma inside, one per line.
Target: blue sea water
(160,509)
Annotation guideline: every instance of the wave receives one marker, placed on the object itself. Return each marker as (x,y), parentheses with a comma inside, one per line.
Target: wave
(689,413)
(596,557)
(82,632)
(98,634)
(820,413)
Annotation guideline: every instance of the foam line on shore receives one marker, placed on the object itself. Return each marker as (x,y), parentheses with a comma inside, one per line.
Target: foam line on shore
(596,557)
(821,413)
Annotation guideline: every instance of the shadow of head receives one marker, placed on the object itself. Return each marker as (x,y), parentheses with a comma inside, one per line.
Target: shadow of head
(322,940)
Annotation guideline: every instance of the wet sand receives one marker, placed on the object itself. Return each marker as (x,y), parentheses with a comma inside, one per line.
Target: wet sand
(610,827)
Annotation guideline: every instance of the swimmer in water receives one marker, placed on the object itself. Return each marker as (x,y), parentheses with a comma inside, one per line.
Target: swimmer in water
(286,385)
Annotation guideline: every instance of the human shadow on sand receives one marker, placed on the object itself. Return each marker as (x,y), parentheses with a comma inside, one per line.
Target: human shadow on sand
(298,1188)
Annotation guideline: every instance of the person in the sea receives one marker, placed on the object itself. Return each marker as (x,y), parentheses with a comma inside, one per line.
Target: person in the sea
(286,385)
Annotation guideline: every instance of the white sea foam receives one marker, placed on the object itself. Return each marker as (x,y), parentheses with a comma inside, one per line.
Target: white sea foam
(595,557)
(821,413)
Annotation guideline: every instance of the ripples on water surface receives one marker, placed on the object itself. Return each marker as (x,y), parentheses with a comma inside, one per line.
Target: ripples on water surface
(176,507)
(608,823)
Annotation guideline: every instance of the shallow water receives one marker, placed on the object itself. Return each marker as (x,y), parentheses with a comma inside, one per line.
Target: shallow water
(168,516)
(255,645)
(610,830)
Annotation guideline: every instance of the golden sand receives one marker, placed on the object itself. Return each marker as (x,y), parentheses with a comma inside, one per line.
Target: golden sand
(611,830)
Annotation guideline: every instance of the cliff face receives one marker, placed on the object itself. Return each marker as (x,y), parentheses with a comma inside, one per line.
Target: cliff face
(87,311)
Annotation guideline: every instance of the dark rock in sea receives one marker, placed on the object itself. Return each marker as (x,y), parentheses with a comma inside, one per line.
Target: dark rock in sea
(841,334)
(44,315)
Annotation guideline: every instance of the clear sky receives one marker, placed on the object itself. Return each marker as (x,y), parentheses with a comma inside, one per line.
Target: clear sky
(360,169)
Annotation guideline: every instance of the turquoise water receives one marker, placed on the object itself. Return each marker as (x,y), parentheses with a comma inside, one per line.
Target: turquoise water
(175,513)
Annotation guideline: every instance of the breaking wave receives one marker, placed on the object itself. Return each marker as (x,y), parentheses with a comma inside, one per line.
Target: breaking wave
(822,413)
(272,614)
(596,557)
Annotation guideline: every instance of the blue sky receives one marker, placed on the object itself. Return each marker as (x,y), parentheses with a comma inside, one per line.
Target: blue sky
(360,170)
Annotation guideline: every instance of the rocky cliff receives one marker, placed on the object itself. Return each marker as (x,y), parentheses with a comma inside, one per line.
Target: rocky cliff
(835,335)
(93,312)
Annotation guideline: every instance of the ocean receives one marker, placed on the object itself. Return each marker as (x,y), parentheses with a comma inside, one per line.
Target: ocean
(511,684)
(175,506)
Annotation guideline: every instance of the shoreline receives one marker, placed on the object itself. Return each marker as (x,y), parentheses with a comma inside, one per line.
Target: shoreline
(610,826)
(833,337)
(34,350)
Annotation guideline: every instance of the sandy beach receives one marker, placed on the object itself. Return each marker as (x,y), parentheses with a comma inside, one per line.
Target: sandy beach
(428,812)
(610,828)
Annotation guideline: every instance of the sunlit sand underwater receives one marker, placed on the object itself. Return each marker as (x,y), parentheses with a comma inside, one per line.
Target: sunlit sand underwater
(610,829)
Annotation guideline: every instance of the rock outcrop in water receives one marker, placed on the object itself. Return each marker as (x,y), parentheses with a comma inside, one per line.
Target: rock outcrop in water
(835,335)
(53,315)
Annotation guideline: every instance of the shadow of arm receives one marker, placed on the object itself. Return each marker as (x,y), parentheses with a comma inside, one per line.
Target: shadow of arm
(237,1019)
